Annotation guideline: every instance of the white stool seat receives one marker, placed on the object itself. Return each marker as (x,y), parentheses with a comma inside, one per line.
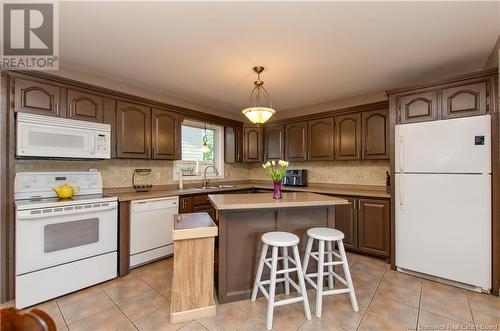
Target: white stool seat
(327,234)
(280,239)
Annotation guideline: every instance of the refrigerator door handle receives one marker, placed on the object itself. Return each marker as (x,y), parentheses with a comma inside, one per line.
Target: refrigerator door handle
(401,192)
(401,154)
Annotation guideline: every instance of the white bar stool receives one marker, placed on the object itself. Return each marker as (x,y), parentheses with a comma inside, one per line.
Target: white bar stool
(329,236)
(281,240)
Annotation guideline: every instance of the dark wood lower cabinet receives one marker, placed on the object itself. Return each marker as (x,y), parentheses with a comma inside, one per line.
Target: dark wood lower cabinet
(366,225)
(347,222)
(374,226)
(196,204)
(209,209)
(185,204)
(200,203)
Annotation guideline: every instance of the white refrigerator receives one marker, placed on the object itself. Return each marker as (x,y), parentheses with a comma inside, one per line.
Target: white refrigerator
(443,200)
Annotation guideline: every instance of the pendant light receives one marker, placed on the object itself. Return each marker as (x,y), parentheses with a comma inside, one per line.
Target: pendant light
(204,147)
(259,111)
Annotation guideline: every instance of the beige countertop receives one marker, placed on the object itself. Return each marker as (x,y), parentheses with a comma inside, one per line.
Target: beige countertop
(128,193)
(265,200)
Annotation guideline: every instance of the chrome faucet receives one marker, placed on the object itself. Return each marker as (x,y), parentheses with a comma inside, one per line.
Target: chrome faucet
(205,180)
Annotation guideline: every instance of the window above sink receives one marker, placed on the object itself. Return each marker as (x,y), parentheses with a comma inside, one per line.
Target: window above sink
(194,158)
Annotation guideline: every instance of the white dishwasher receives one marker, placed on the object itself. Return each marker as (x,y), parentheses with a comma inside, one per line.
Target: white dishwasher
(151,223)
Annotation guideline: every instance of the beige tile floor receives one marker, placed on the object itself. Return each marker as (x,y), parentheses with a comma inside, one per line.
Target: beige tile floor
(388,300)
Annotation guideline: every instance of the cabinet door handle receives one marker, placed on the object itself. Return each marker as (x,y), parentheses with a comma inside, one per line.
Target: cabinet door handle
(357,153)
(354,205)
(363,153)
(153,152)
(57,109)
(359,204)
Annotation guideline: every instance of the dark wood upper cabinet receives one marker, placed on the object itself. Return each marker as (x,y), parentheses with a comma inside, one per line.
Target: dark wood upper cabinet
(296,141)
(239,144)
(252,145)
(348,137)
(37,98)
(109,117)
(320,139)
(133,130)
(347,222)
(418,107)
(374,226)
(85,106)
(229,145)
(375,131)
(233,144)
(165,135)
(464,100)
(274,142)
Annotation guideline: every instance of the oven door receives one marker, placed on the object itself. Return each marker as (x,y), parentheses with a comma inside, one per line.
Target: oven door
(50,140)
(49,237)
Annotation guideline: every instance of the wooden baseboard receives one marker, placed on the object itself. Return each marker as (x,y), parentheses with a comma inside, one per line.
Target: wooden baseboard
(192,314)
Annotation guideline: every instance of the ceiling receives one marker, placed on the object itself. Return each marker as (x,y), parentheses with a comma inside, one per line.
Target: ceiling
(313,52)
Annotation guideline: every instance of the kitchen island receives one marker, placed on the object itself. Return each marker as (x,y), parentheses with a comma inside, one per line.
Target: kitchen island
(242,219)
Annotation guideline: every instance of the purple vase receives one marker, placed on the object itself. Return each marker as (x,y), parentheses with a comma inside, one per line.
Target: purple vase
(277,190)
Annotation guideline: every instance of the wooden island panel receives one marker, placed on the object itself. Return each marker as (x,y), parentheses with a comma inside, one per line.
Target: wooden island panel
(193,278)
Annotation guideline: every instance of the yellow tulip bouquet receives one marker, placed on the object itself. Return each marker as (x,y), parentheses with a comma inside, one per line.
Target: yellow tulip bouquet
(276,170)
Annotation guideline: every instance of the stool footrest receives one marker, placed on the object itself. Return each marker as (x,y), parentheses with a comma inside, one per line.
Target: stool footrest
(287,301)
(336,291)
(315,255)
(284,271)
(309,280)
(334,274)
(267,282)
(264,291)
(326,264)
(268,261)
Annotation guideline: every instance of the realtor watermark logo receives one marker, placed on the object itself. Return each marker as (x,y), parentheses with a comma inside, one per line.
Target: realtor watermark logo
(30,36)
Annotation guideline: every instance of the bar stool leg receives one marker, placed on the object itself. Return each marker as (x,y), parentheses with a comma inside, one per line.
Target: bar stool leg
(347,273)
(285,266)
(329,248)
(272,288)
(258,277)
(319,292)
(307,254)
(302,283)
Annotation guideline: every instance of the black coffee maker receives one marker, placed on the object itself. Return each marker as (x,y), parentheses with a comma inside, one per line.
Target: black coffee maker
(295,177)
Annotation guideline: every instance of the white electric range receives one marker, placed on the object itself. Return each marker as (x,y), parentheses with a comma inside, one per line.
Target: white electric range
(62,245)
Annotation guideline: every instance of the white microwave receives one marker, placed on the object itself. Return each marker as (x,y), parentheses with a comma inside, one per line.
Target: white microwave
(46,136)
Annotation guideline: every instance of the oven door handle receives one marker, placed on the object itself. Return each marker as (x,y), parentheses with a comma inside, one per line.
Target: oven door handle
(26,215)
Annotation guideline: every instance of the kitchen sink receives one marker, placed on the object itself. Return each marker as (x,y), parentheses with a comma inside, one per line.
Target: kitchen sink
(211,187)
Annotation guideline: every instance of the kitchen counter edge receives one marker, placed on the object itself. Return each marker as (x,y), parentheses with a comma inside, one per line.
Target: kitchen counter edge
(124,195)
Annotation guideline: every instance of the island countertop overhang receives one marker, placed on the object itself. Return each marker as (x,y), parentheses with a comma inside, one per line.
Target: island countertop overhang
(266,201)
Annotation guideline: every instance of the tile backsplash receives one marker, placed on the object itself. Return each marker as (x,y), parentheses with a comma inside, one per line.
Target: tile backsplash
(339,172)
(118,172)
